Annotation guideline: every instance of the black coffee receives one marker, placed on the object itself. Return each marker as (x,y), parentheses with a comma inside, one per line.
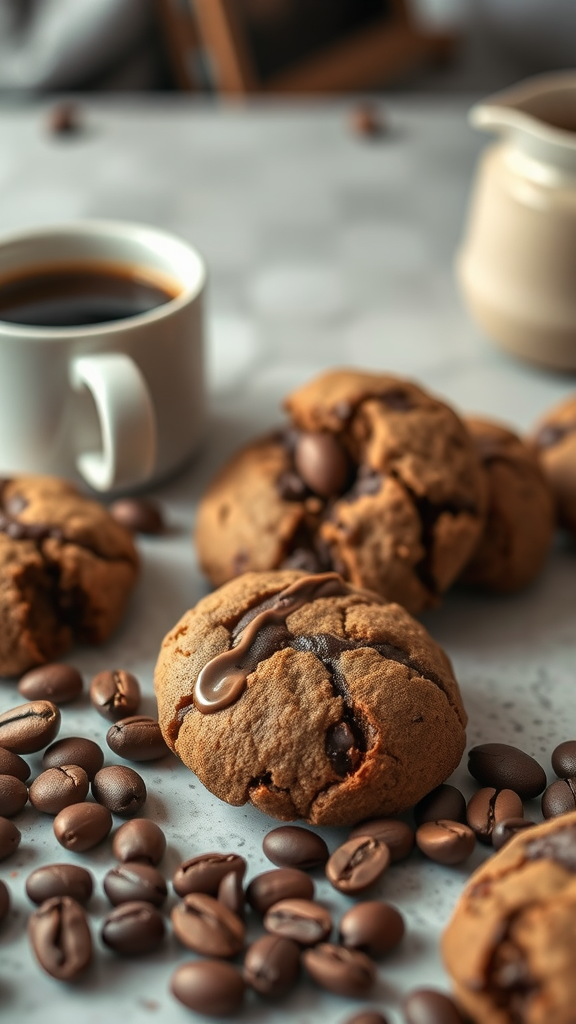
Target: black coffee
(82,294)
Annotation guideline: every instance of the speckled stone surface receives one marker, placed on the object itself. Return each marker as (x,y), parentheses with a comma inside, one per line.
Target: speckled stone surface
(323,249)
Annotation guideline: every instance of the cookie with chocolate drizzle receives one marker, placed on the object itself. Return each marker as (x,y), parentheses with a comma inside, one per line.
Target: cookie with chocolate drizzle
(309,698)
(554,441)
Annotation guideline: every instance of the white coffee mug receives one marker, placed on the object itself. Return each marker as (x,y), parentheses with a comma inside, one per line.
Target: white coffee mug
(113,405)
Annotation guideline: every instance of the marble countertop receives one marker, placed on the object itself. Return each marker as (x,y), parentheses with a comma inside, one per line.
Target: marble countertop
(323,250)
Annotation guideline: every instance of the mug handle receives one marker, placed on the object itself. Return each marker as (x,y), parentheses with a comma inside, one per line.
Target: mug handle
(127,421)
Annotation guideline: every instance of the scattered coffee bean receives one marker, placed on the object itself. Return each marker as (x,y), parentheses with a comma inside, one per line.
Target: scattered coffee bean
(60,937)
(133,929)
(373,927)
(272,886)
(271,965)
(208,986)
(4,900)
(559,798)
(120,789)
(10,838)
(347,972)
(139,515)
(505,830)
(115,695)
(56,682)
(367,122)
(206,926)
(137,738)
(205,872)
(231,894)
(489,806)
(357,864)
(506,767)
(59,880)
(140,839)
(444,802)
(367,1017)
(396,835)
(13,795)
(64,119)
(11,764)
(446,842)
(74,750)
(564,759)
(29,727)
(57,788)
(292,847)
(303,921)
(136,881)
(82,826)
(425,1006)
(322,463)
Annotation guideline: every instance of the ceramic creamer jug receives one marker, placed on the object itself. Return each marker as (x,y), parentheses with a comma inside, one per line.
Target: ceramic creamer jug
(517,263)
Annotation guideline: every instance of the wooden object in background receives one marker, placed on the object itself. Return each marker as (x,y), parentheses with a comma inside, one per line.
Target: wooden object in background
(182,43)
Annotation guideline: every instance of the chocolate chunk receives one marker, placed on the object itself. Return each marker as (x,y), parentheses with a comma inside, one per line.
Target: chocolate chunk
(302,558)
(505,830)
(10,838)
(58,683)
(205,872)
(506,767)
(139,515)
(357,864)
(208,986)
(57,788)
(396,835)
(271,965)
(272,886)
(373,926)
(133,929)
(488,807)
(303,921)
(443,802)
(137,738)
(564,759)
(206,926)
(322,463)
(446,842)
(53,880)
(426,1006)
(11,764)
(347,972)
(559,847)
(29,727)
(290,846)
(82,826)
(141,840)
(135,881)
(115,694)
(13,795)
(120,789)
(60,937)
(559,798)
(341,748)
(74,750)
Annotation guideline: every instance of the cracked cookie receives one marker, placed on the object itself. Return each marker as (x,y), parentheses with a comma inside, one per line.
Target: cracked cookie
(373,478)
(555,443)
(309,698)
(520,515)
(66,571)
(510,944)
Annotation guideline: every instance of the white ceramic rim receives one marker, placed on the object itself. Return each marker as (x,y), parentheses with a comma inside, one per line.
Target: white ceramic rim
(548,82)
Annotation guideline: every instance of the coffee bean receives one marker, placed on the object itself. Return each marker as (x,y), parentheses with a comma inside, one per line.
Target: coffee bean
(445,802)
(367,1017)
(205,872)
(425,1006)
(559,798)
(208,986)
(322,463)
(446,842)
(292,847)
(347,972)
(133,929)
(59,880)
(60,937)
(367,122)
(206,926)
(120,789)
(271,965)
(10,838)
(489,806)
(136,881)
(505,830)
(231,894)
(272,886)
(137,738)
(82,826)
(139,515)
(11,764)
(505,767)
(373,927)
(13,796)
(56,682)
(564,759)
(357,864)
(64,119)
(74,750)
(58,788)
(115,695)
(140,839)
(302,920)
(396,835)
(29,727)
(4,900)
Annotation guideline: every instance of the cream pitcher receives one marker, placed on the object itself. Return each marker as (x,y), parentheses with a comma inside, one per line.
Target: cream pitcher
(517,262)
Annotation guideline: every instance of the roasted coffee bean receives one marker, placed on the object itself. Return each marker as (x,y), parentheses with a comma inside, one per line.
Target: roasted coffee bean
(444,802)
(367,1017)
(208,986)
(302,920)
(141,840)
(74,750)
(136,881)
(505,767)
(57,788)
(4,900)
(425,1006)
(133,929)
(396,835)
(272,886)
(231,894)
(505,830)
(564,759)
(56,682)
(373,927)
(322,463)
(59,880)
(292,847)
(60,937)
(357,864)
(206,926)
(13,796)
(10,838)
(11,764)
(120,789)
(137,738)
(446,842)
(82,826)
(205,872)
(271,965)
(347,972)
(115,695)
(29,727)
(489,806)
(139,515)
(559,798)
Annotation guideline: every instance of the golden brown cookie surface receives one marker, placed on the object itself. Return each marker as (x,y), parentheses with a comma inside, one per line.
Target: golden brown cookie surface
(555,444)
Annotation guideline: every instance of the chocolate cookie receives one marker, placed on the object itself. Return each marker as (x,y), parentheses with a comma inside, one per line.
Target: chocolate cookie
(555,444)
(520,517)
(66,571)
(309,698)
(373,478)
(510,944)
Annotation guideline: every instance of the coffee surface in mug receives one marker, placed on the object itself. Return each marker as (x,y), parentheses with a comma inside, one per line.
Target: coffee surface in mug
(82,294)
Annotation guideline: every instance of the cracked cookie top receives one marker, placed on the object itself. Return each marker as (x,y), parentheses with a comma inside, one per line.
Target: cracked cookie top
(309,698)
